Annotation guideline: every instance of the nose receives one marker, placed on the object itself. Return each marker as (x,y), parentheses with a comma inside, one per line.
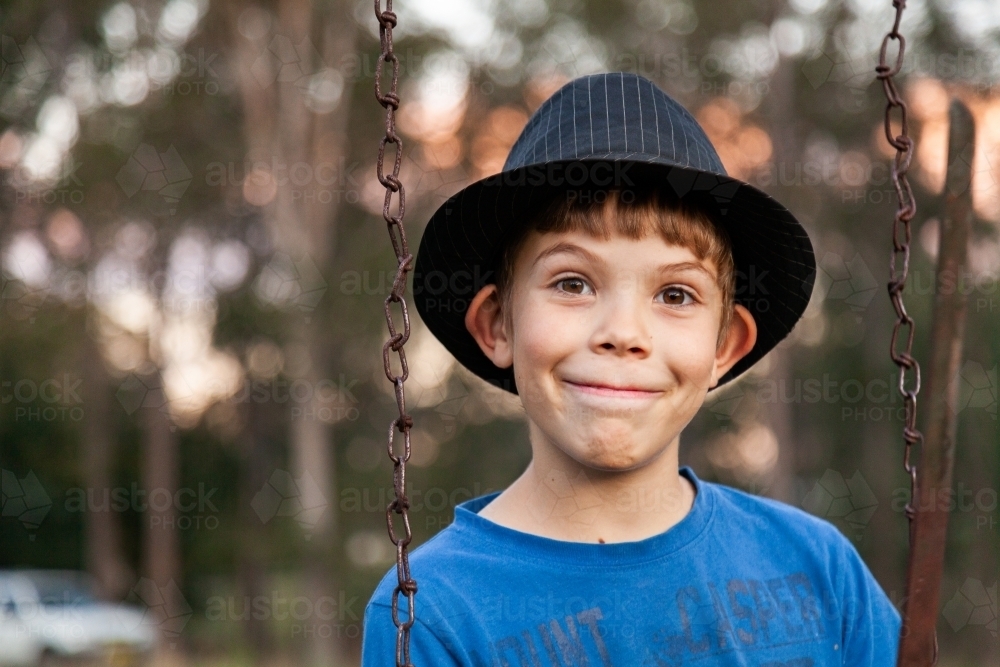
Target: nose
(623,328)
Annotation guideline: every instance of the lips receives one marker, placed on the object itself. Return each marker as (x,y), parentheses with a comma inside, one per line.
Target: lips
(597,388)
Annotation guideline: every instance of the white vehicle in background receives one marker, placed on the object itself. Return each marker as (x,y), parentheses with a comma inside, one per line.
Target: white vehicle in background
(49,616)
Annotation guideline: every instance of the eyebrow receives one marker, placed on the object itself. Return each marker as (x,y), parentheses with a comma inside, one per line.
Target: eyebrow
(573,249)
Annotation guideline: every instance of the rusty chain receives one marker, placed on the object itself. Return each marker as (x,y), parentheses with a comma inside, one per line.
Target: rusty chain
(396,340)
(905,210)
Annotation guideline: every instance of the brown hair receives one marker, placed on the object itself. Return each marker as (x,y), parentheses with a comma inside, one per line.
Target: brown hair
(634,215)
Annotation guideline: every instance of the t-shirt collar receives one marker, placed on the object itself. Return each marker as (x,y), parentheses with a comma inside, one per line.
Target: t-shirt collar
(535,547)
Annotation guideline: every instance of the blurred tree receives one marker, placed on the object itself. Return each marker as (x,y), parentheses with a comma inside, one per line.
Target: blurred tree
(152,236)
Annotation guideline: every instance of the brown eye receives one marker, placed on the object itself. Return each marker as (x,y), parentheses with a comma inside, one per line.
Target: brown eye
(573,286)
(675,296)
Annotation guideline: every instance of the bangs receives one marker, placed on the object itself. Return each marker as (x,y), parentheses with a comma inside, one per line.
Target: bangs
(603,213)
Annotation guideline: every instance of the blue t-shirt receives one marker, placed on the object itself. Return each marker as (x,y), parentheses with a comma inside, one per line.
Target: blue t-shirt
(740,580)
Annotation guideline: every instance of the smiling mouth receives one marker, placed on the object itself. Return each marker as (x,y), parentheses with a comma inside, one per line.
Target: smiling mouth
(598,389)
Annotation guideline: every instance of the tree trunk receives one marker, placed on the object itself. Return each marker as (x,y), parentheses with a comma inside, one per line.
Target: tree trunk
(258,462)
(105,556)
(161,546)
(280,127)
(781,484)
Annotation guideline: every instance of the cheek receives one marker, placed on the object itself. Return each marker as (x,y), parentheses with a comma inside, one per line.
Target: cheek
(542,336)
(690,353)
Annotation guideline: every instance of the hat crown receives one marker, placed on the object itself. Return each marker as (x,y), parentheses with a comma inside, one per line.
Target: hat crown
(617,115)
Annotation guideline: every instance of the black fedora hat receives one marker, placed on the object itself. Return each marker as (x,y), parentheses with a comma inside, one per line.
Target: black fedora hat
(610,130)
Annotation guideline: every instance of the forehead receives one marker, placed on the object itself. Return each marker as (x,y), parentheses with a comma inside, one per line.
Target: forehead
(648,251)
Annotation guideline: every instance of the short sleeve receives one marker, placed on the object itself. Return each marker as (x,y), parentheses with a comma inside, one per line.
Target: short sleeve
(378,641)
(871,623)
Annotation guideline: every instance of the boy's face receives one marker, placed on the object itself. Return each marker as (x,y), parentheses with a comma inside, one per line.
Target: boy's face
(613,342)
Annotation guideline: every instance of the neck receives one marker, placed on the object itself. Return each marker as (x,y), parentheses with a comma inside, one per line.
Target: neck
(560,498)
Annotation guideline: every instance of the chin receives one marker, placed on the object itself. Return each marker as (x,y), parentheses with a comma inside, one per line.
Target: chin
(610,464)
(612,450)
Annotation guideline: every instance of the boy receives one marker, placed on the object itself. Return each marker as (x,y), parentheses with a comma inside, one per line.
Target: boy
(631,277)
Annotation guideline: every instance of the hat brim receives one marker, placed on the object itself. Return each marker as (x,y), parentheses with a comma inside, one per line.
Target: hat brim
(460,248)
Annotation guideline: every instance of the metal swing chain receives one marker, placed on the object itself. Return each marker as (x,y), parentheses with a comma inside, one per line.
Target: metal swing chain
(404,261)
(901,234)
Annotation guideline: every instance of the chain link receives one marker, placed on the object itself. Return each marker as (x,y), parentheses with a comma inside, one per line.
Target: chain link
(899,261)
(404,261)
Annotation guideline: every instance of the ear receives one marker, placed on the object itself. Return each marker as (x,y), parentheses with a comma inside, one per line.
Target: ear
(485,322)
(739,341)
